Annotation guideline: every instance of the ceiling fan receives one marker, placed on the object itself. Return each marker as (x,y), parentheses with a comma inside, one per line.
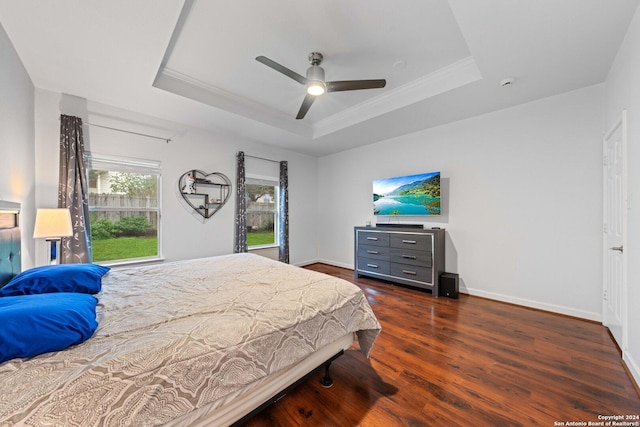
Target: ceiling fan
(315,82)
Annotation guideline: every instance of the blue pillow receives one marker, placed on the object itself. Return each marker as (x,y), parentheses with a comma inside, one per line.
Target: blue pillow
(80,278)
(36,324)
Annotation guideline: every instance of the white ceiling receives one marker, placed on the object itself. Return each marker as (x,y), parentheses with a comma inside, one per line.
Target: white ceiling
(193,61)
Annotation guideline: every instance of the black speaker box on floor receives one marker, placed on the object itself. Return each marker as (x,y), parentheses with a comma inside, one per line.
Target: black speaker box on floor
(449,285)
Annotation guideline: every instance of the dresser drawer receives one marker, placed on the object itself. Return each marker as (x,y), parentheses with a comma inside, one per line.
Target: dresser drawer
(374,238)
(411,272)
(411,257)
(421,242)
(373,252)
(373,265)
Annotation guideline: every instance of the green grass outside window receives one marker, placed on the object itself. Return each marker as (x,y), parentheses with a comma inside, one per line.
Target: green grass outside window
(141,247)
(124,248)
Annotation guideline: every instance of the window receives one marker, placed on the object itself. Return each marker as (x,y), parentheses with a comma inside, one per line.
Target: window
(262,212)
(124,209)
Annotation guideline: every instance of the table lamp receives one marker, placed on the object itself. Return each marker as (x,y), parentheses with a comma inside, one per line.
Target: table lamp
(52,225)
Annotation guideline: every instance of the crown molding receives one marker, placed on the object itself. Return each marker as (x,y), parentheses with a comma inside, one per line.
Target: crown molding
(182,84)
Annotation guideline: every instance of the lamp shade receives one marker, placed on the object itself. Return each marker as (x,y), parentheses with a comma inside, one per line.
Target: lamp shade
(53,223)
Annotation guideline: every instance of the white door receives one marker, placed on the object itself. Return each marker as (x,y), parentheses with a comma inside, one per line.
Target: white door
(615,216)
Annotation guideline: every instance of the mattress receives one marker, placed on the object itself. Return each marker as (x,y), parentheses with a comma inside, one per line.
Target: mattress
(178,337)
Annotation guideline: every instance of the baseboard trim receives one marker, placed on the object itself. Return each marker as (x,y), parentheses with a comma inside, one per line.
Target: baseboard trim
(336,263)
(567,311)
(633,369)
(305,263)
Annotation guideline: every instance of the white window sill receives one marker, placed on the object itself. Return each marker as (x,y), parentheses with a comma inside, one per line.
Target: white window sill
(131,263)
(251,248)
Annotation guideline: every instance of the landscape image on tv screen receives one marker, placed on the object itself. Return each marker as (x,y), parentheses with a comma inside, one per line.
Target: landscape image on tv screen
(407,195)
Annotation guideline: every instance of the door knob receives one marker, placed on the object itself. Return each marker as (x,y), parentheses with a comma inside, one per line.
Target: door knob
(617,248)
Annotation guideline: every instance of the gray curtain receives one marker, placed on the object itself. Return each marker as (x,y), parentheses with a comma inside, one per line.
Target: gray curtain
(240,244)
(73,192)
(283,219)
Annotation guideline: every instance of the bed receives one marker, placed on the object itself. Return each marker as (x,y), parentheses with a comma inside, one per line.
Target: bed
(197,342)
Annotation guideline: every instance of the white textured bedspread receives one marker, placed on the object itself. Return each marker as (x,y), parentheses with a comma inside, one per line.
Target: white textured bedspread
(177,336)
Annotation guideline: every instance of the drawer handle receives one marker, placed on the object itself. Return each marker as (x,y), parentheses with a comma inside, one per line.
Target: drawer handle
(373,252)
(411,242)
(409,257)
(372,238)
(413,273)
(372,265)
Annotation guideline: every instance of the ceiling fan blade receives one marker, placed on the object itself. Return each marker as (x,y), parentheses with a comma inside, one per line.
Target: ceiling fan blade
(306,104)
(282,69)
(339,86)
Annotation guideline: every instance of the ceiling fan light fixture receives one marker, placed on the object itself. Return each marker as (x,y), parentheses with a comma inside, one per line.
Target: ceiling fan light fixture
(316,87)
(315,81)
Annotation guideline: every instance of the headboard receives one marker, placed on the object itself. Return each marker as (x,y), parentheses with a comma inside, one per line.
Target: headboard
(10,259)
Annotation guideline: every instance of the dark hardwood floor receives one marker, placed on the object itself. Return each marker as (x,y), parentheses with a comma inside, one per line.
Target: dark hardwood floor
(463,362)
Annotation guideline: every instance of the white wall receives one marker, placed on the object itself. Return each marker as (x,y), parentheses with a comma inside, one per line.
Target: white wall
(522,190)
(16,141)
(623,92)
(183,234)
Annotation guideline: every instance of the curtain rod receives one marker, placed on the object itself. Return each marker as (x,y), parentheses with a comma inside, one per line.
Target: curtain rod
(167,140)
(262,158)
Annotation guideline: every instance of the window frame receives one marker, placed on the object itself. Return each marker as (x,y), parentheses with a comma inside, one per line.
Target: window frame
(96,161)
(275,182)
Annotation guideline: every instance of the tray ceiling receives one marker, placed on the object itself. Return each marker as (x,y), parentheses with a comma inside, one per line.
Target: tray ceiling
(193,62)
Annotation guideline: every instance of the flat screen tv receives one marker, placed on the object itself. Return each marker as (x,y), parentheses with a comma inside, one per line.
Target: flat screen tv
(407,195)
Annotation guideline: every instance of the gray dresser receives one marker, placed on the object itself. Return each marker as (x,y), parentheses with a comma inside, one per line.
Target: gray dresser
(410,256)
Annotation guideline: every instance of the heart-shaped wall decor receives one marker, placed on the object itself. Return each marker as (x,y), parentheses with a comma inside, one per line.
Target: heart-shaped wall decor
(205,192)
